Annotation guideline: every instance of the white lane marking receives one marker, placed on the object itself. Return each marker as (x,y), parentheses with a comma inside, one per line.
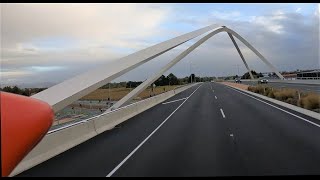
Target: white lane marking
(222,113)
(215,97)
(231,135)
(174,101)
(277,108)
(125,159)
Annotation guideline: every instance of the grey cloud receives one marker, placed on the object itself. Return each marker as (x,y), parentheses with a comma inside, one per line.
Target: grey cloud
(296,48)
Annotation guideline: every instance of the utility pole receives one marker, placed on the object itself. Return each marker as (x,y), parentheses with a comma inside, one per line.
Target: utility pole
(109,93)
(238,70)
(190,72)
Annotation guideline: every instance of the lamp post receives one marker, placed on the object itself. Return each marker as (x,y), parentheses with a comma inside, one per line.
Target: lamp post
(190,73)
(109,92)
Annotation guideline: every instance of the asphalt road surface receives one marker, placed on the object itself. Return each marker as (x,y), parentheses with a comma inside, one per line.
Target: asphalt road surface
(207,130)
(302,87)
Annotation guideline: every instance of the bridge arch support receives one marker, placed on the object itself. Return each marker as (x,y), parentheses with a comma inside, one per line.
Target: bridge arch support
(153,78)
(70,90)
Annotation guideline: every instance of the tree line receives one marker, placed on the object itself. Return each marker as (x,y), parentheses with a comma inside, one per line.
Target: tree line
(21,91)
(247,75)
(171,79)
(163,80)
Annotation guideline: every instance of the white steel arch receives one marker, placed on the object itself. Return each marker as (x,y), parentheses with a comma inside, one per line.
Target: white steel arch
(241,56)
(136,91)
(70,90)
(63,94)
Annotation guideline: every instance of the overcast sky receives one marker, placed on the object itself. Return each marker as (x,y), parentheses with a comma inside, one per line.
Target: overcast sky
(48,43)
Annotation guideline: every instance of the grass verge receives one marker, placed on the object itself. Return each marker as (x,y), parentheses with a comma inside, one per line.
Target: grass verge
(310,101)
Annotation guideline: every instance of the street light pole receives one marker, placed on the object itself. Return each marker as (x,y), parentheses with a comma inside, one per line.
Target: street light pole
(109,92)
(238,69)
(190,72)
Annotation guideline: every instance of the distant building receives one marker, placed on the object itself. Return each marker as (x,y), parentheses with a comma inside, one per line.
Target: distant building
(265,74)
(314,74)
(291,76)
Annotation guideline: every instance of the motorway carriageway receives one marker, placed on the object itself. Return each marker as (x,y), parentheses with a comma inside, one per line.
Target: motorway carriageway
(207,130)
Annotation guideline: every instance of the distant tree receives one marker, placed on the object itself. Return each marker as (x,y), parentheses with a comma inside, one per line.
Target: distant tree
(16,90)
(162,81)
(133,84)
(247,75)
(7,89)
(172,79)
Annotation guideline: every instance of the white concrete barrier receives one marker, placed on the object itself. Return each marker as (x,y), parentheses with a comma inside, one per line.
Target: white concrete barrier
(56,143)
(63,139)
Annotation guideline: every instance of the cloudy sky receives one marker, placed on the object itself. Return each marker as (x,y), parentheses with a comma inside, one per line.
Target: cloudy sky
(44,44)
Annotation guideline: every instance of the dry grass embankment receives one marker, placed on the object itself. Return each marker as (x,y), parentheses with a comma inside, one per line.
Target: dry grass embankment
(241,86)
(310,101)
(117,93)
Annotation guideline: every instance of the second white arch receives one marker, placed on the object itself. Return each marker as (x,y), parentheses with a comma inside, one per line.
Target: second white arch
(153,78)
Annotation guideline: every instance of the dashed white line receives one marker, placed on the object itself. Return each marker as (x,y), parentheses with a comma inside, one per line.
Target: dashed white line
(174,101)
(215,97)
(222,113)
(125,159)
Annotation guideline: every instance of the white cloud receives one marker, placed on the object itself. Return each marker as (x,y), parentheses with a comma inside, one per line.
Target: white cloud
(226,15)
(14,74)
(98,33)
(298,10)
(87,23)
(95,32)
(270,22)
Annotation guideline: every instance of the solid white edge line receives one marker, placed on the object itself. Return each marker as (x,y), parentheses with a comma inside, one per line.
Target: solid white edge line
(175,100)
(125,159)
(277,107)
(222,113)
